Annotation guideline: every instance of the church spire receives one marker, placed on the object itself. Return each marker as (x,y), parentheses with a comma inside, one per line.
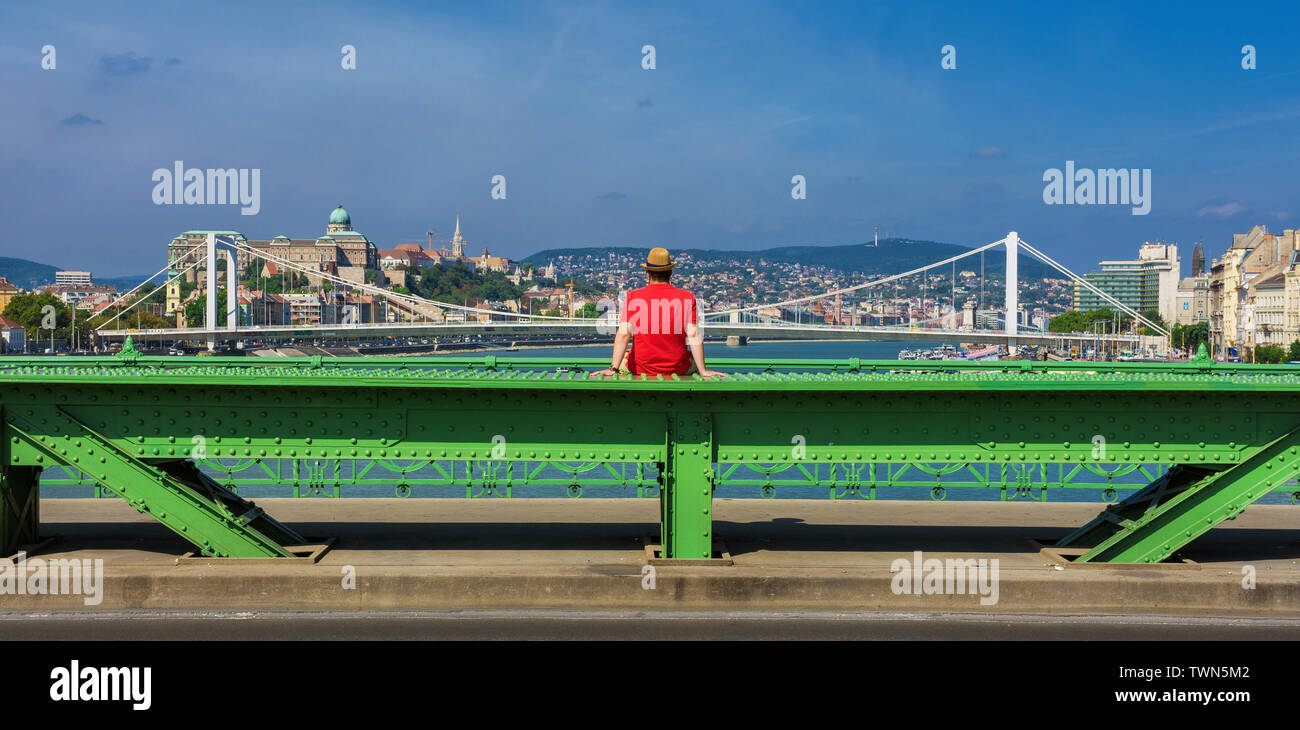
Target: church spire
(457,243)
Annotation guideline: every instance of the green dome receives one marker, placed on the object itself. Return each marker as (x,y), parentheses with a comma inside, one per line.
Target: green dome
(340,216)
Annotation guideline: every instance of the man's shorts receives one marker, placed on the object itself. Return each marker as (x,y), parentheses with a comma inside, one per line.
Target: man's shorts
(622,368)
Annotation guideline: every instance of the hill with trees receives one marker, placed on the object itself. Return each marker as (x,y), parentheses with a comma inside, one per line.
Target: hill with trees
(892,256)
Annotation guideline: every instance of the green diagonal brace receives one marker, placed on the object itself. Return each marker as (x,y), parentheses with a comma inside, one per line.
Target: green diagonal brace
(211,526)
(1168,526)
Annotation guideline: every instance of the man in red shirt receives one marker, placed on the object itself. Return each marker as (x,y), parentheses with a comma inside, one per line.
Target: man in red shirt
(660,322)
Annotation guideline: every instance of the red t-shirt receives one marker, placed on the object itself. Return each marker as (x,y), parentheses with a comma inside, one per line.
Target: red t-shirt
(657,316)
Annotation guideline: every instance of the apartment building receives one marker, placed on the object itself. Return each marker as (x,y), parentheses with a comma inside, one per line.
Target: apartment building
(1240,315)
(1148,282)
(72,278)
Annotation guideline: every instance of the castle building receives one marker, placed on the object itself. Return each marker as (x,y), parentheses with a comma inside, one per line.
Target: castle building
(342,251)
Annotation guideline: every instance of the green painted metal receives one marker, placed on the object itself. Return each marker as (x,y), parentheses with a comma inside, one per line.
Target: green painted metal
(1184,504)
(171,491)
(492,424)
(687,500)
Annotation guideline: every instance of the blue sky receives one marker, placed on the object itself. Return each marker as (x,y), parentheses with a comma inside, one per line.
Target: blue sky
(597,151)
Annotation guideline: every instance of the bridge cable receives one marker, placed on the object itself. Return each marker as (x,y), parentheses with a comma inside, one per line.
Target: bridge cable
(390,295)
(1076,278)
(139,301)
(856,287)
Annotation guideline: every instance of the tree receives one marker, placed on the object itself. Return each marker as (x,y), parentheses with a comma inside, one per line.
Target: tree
(1069,321)
(1269,354)
(1188,336)
(1152,315)
(1294,354)
(29,311)
(456,283)
(196,310)
(1076,321)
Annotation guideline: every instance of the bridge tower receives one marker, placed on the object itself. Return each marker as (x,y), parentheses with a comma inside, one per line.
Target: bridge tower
(1013,276)
(232,283)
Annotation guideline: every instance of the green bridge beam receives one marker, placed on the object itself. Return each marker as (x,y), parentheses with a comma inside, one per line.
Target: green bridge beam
(133,424)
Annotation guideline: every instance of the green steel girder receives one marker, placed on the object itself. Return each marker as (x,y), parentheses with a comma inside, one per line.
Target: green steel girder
(173,492)
(687,496)
(1183,504)
(1011,418)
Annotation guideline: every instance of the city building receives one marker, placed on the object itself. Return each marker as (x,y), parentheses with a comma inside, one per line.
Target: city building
(74,293)
(1269,311)
(72,278)
(1291,301)
(1254,257)
(7,292)
(13,335)
(1198,260)
(342,251)
(1148,282)
(258,308)
(488,262)
(1192,303)
(303,308)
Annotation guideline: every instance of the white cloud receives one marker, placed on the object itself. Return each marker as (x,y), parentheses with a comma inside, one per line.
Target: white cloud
(1226,210)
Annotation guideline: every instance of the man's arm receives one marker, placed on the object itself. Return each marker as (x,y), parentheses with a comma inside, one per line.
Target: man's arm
(621,340)
(695,341)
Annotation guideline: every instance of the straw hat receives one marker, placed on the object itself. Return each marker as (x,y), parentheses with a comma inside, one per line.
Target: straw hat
(658,260)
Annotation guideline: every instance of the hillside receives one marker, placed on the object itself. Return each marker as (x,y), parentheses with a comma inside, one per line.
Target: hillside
(25,274)
(892,256)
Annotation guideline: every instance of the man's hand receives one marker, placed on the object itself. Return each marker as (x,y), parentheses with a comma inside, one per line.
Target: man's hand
(712,374)
(604,373)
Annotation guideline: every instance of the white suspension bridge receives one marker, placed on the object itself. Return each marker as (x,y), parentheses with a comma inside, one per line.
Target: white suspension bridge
(419,317)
